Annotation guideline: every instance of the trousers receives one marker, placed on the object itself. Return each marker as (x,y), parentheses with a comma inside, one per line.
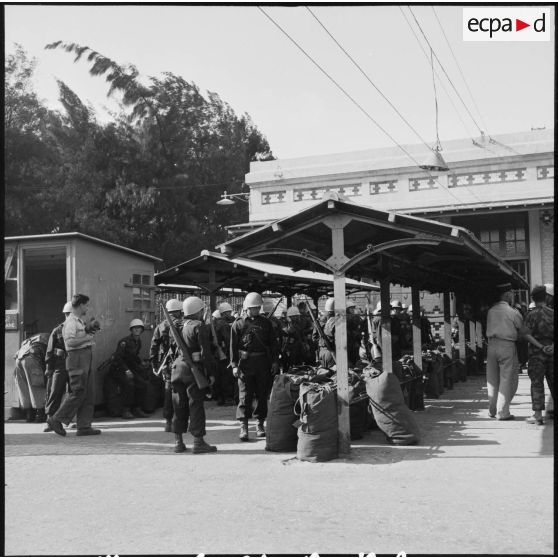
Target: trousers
(30,381)
(132,389)
(187,402)
(540,367)
(253,383)
(502,370)
(57,384)
(224,382)
(81,399)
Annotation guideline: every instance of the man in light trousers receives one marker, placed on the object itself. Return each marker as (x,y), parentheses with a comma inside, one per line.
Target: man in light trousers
(502,364)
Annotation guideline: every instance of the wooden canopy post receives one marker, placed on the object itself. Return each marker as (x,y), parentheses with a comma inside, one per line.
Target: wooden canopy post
(387,358)
(417,331)
(447,324)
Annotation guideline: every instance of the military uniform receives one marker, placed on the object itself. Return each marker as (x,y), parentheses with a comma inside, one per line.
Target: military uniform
(354,337)
(126,357)
(539,323)
(253,350)
(225,385)
(293,347)
(30,375)
(56,373)
(326,357)
(161,342)
(188,399)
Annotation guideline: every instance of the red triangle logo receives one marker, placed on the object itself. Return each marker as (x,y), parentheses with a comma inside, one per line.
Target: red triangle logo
(519,25)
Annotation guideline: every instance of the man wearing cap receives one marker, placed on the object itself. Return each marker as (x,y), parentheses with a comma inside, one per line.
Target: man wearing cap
(128,371)
(78,340)
(162,355)
(56,373)
(254,359)
(502,366)
(538,330)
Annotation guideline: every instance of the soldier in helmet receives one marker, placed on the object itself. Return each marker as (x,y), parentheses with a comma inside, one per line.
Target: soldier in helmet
(254,359)
(293,349)
(128,371)
(56,373)
(325,357)
(188,399)
(355,330)
(224,382)
(162,355)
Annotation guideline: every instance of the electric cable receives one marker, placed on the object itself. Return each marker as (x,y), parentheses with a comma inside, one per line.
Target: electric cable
(363,110)
(444,70)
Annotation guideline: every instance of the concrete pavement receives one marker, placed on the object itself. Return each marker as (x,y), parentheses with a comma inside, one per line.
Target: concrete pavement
(473,486)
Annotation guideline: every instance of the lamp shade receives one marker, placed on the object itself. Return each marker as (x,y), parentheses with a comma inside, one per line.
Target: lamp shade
(225,201)
(434,162)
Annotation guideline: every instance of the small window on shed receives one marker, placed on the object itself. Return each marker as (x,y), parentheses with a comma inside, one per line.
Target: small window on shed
(142,298)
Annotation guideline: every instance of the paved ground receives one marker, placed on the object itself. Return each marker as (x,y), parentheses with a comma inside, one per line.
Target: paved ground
(474,486)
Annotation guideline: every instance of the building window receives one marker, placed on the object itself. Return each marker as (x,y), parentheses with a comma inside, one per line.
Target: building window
(522,268)
(10,283)
(142,298)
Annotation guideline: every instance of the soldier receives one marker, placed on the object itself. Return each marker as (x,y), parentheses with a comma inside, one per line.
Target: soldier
(162,355)
(538,330)
(128,371)
(78,340)
(325,356)
(354,333)
(254,359)
(307,329)
(293,347)
(188,399)
(30,377)
(56,373)
(224,382)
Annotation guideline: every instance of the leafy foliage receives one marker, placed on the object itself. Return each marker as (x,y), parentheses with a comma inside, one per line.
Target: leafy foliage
(148,180)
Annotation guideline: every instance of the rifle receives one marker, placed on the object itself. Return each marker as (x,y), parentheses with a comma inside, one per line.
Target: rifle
(320,331)
(163,362)
(220,353)
(199,376)
(274,308)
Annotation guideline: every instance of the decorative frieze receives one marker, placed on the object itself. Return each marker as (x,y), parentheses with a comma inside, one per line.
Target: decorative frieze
(486,177)
(545,172)
(427,183)
(385,187)
(316,193)
(277,196)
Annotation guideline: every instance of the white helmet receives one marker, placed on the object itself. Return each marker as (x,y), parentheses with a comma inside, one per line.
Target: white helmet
(395,304)
(252,300)
(225,307)
(329,305)
(173,305)
(192,305)
(216,314)
(137,323)
(549,288)
(67,307)
(292,311)
(532,305)
(403,306)
(350,303)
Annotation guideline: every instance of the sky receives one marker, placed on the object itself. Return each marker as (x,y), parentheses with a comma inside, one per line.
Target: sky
(237,52)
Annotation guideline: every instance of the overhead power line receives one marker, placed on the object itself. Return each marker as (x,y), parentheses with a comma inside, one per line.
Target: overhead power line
(356,103)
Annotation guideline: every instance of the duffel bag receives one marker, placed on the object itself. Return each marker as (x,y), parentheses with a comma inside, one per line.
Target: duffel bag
(317,433)
(281,434)
(391,414)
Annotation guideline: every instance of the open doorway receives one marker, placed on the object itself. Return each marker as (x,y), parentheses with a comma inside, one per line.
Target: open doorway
(44,288)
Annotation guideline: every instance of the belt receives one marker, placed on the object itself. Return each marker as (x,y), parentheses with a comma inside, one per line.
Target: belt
(249,353)
(79,349)
(502,339)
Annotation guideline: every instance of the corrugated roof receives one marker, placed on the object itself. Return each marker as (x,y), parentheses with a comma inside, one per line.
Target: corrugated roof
(57,236)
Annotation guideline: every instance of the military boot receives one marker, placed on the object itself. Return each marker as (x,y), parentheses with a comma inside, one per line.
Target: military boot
(179,446)
(201,446)
(40,416)
(260,431)
(126,413)
(30,415)
(243,431)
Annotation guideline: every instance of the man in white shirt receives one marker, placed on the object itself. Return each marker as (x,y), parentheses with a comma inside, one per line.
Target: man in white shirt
(502,365)
(78,339)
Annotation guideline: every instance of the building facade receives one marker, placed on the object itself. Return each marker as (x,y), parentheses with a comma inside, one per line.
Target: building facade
(500,188)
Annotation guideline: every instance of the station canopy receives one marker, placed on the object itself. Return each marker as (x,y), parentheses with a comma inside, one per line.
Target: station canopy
(409,251)
(213,271)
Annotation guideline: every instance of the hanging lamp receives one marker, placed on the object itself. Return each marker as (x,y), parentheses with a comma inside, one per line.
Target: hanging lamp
(435,161)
